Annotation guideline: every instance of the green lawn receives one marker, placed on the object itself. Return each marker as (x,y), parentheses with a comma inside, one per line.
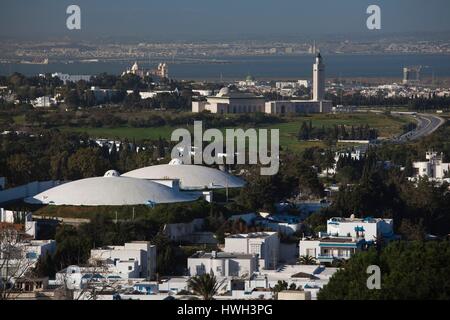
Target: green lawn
(19,119)
(386,125)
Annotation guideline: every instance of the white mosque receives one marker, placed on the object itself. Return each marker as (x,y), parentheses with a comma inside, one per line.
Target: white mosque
(232,101)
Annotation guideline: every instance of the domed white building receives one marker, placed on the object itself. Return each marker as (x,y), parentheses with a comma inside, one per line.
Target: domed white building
(111,190)
(162,71)
(189,177)
(230,101)
(224,92)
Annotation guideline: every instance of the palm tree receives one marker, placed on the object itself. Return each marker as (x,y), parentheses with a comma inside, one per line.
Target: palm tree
(307,260)
(280,286)
(204,285)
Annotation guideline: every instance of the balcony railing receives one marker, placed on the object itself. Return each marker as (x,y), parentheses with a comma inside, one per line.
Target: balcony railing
(328,256)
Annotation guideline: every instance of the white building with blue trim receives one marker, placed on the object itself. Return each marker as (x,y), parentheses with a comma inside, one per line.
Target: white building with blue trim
(345,237)
(368,228)
(328,249)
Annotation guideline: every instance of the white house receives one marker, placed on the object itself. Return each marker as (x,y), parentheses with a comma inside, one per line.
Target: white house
(304,83)
(310,278)
(44,102)
(64,77)
(292,84)
(223,264)
(346,236)
(264,244)
(433,168)
(173,284)
(23,256)
(136,259)
(75,277)
(33,249)
(370,229)
(328,249)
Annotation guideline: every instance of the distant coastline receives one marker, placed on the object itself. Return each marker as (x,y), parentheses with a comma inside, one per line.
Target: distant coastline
(262,67)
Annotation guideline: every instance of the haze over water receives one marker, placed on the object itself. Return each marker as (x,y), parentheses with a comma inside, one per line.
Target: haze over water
(262,67)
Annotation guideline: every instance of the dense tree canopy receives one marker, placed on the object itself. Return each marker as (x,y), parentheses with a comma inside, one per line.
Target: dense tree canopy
(51,154)
(409,270)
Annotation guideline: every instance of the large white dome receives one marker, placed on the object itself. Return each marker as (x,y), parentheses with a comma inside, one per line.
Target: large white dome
(224,92)
(110,191)
(191,177)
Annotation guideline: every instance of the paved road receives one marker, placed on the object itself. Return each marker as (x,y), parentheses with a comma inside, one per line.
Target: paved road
(426,125)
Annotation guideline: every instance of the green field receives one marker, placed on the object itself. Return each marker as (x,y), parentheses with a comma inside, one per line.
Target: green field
(385,124)
(19,119)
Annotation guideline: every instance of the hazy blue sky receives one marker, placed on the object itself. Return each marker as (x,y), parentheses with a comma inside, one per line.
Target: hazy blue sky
(187,19)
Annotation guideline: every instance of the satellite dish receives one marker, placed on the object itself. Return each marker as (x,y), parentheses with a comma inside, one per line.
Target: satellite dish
(73,269)
(175,162)
(112,173)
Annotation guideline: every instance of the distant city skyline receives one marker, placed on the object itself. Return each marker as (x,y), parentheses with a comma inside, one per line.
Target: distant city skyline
(213,20)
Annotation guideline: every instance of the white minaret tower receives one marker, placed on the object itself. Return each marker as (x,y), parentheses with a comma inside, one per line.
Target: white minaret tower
(318,79)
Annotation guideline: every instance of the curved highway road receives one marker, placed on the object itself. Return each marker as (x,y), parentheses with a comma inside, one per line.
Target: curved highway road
(426,125)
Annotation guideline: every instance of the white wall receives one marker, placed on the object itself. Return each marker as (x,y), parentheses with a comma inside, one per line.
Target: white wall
(128,269)
(224,267)
(296,106)
(267,247)
(40,247)
(198,106)
(141,252)
(174,284)
(309,248)
(434,168)
(28,190)
(9,216)
(372,229)
(229,105)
